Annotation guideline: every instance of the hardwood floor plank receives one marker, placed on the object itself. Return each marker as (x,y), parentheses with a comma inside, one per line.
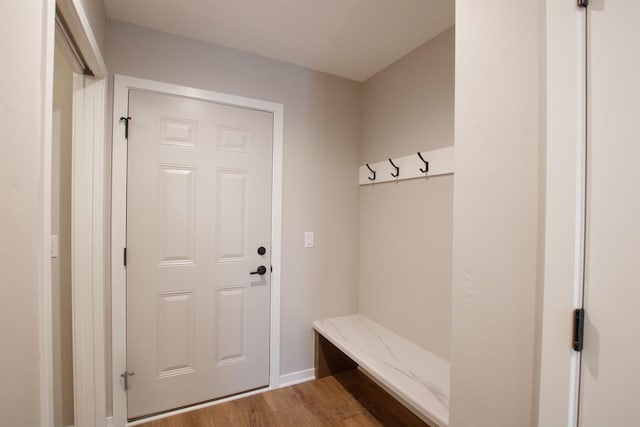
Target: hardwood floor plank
(255,411)
(225,415)
(168,422)
(348,399)
(282,398)
(296,416)
(362,420)
(328,401)
(199,418)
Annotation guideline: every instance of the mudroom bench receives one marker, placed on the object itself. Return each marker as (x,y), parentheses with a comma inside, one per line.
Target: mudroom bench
(415,377)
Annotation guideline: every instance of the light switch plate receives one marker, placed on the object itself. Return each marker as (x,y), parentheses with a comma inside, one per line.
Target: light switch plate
(308,239)
(54,247)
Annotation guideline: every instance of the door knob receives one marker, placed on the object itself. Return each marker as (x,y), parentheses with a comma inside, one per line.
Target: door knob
(261,270)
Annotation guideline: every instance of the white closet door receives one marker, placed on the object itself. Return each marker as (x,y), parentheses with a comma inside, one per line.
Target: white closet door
(610,361)
(198,209)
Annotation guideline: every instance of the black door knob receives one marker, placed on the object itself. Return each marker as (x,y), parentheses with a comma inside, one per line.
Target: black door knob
(261,270)
(262,250)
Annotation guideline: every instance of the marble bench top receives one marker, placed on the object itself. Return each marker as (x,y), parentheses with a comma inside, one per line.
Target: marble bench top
(417,377)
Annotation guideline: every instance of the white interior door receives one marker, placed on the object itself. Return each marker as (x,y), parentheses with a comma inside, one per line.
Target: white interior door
(610,369)
(198,210)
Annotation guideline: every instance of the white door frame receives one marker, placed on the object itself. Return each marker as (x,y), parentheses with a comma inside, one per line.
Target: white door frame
(45,300)
(565,211)
(122,85)
(87,250)
(88,197)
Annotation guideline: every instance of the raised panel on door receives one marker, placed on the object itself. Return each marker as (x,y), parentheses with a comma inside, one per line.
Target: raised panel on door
(231,214)
(177,234)
(175,342)
(198,207)
(178,131)
(232,324)
(610,369)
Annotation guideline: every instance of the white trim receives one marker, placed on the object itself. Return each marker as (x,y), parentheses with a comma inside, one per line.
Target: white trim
(580,209)
(441,162)
(99,97)
(122,85)
(294,378)
(565,212)
(76,19)
(87,246)
(45,301)
(87,223)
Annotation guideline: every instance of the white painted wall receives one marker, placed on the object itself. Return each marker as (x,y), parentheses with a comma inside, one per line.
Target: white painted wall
(499,146)
(97,16)
(61,227)
(22,202)
(610,369)
(406,228)
(321,158)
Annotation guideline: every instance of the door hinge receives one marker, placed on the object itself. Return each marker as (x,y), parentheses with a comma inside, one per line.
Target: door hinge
(583,3)
(126,376)
(124,257)
(578,329)
(126,126)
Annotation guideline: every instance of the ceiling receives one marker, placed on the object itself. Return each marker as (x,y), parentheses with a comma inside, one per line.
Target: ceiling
(349,38)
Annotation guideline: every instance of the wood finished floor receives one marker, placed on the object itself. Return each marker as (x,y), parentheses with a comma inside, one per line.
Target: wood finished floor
(349,399)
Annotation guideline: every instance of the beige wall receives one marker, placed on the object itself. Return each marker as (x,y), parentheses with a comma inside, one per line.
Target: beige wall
(61,227)
(321,157)
(97,16)
(406,227)
(22,272)
(496,216)
(499,147)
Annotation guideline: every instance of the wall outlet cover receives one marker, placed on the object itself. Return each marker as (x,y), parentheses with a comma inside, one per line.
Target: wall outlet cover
(54,246)
(308,239)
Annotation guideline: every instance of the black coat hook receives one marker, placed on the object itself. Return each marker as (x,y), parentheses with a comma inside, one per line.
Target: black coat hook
(426,164)
(397,169)
(126,126)
(373,172)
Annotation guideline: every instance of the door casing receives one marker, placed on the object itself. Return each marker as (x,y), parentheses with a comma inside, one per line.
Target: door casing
(564,223)
(122,85)
(88,191)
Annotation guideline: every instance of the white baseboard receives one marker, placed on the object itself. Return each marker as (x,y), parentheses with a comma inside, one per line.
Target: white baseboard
(109,422)
(297,377)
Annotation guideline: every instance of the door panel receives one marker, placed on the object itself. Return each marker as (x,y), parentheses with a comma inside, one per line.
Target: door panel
(198,207)
(610,369)
(177,215)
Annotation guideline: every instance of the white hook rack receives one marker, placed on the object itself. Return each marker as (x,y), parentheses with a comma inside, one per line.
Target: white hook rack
(441,162)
